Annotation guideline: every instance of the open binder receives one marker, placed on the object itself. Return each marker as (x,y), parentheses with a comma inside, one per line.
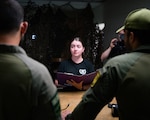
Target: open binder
(87,78)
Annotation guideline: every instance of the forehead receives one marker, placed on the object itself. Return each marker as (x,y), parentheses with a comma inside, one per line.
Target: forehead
(76,42)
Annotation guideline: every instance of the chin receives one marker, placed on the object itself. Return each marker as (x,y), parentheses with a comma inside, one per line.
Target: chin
(76,55)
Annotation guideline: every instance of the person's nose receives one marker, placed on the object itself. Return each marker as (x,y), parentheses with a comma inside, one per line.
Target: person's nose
(75,48)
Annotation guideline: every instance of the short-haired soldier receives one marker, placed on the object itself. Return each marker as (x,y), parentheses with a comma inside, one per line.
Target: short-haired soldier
(27,91)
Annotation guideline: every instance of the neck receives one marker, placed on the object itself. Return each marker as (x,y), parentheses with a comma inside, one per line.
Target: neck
(77,59)
(11,39)
(135,45)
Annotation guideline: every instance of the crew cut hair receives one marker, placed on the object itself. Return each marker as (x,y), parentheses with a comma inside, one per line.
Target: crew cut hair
(11,15)
(142,35)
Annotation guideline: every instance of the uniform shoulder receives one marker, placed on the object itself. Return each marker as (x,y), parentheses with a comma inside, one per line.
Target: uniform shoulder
(123,59)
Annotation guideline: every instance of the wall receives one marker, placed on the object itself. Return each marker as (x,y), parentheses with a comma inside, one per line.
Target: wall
(112,13)
(99,13)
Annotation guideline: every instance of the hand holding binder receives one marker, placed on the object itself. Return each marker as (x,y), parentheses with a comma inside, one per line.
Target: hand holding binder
(87,78)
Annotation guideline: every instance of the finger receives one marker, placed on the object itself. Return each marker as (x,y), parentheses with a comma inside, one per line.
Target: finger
(72,81)
(69,82)
(81,82)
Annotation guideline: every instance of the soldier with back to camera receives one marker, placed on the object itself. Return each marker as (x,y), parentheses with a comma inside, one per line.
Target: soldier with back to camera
(27,91)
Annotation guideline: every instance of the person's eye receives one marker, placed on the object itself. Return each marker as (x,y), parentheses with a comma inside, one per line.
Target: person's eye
(78,46)
(72,46)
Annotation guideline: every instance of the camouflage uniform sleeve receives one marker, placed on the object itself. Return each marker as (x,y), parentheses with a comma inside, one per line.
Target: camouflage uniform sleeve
(95,98)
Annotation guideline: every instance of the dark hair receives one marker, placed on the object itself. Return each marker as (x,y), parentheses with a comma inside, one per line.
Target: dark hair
(11,15)
(143,36)
(67,53)
(78,39)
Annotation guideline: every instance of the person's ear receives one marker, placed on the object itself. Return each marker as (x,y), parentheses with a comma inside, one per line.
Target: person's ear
(24,26)
(83,49)
(131,38)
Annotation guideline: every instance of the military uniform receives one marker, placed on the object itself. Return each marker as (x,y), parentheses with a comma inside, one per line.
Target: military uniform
(117,78)
(27,91)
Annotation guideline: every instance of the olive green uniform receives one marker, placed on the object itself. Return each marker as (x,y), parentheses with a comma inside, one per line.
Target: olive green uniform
(126,77)
(27,91)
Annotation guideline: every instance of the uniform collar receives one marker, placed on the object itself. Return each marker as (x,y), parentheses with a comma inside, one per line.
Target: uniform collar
(11,49)
(143,48)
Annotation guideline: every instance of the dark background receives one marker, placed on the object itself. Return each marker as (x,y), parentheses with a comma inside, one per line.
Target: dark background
(51,29)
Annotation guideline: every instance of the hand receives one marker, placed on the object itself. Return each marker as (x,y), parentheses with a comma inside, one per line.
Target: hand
(64,114)
(75,84)
(56,82)
(113,42)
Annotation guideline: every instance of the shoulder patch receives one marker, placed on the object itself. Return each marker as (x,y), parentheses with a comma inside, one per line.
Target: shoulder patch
(96,78)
